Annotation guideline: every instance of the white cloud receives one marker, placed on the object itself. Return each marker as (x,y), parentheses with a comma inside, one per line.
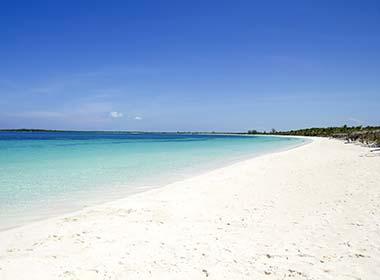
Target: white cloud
(116,115)
(355,121)
(137,118)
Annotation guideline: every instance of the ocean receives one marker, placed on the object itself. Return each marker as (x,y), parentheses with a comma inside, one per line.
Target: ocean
(43,174)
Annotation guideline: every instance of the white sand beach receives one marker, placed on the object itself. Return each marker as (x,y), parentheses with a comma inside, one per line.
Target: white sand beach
(312,212)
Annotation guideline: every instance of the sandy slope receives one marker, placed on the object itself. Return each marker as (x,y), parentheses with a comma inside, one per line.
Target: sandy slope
(308,213)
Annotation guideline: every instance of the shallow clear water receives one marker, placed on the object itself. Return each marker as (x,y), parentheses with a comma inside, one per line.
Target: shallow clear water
(42,174)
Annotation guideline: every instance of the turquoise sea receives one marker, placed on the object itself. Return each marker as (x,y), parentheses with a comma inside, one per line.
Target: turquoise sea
(43,174)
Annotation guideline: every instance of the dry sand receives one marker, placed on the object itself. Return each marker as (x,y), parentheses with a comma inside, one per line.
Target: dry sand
(308,213)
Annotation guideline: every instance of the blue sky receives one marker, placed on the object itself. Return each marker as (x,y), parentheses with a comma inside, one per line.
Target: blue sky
(189,65)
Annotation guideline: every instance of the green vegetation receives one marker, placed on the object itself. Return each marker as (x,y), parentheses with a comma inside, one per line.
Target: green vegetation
(369,135)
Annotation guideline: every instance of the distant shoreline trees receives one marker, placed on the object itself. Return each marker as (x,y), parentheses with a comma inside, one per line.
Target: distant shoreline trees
(369,135)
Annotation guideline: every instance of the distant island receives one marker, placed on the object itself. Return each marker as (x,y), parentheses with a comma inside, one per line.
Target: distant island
(117,131)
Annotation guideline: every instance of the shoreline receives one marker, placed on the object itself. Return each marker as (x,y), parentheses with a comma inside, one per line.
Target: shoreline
(61,211)
(309,213)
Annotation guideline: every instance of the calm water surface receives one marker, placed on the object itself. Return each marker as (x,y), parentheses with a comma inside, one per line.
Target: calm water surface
(45,173)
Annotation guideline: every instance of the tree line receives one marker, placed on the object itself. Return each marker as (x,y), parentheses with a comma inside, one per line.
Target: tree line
(369,135)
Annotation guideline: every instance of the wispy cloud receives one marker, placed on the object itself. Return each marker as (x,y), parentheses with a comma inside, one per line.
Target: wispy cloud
(355,121)
(137,118)
(45,89)
(72,111)
(116,115)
